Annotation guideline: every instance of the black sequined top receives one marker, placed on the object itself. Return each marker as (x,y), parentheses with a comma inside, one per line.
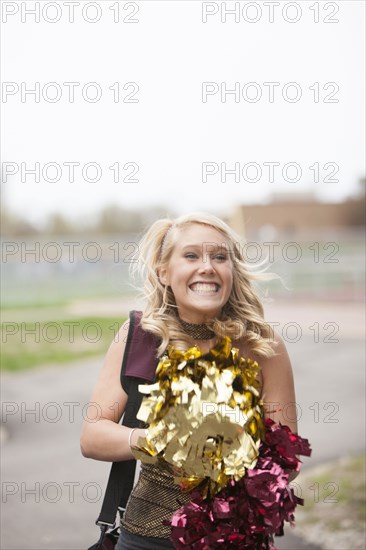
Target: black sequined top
(154,498)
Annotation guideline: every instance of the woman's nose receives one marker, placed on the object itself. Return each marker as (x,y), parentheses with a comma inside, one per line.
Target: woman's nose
(206,266)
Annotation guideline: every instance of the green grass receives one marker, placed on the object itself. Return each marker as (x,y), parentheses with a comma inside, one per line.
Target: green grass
(34,305)
(26,289)
(58,292)
(40,343)
(334,494)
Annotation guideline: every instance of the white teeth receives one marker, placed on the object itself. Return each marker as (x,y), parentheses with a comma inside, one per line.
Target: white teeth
(204,287)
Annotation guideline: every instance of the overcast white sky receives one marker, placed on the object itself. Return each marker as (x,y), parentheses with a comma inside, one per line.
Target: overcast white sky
(170,131)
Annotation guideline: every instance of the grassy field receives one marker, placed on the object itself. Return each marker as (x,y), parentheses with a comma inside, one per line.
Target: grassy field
(57,317)
(28,344)
(334,511)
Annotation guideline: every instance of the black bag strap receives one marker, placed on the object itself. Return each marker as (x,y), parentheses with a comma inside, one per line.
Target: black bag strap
(122,474)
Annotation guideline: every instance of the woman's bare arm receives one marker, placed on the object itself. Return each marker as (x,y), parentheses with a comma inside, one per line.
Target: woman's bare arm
(278,387)
(102,437)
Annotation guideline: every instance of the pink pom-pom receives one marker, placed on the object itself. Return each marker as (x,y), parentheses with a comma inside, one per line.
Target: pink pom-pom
(247,513)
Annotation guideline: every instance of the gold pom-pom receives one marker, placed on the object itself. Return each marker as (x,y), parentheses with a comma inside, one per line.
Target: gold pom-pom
(205,416)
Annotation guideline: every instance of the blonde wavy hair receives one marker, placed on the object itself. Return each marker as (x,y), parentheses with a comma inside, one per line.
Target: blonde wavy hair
(242,316)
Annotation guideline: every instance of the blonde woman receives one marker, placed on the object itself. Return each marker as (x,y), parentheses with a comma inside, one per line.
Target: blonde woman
(198,289)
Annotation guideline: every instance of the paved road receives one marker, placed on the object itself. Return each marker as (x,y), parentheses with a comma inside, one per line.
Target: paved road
(52,495)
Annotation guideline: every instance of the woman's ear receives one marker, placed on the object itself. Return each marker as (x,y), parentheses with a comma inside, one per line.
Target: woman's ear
(163,275)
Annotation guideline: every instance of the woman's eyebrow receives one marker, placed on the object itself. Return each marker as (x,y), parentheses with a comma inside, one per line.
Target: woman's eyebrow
(192,246)
(207,245)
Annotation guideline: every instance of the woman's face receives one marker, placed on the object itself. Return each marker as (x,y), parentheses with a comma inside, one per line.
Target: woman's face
(199,272)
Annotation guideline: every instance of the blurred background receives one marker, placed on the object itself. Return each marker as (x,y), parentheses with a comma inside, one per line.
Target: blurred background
(172,112)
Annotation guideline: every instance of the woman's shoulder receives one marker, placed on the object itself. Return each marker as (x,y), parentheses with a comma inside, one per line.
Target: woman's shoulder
(246,350)
(278,360)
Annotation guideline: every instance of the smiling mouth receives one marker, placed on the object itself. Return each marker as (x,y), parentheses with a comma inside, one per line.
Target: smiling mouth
(204,288)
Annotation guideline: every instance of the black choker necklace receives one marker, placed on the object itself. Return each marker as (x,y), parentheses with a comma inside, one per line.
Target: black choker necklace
(197,332)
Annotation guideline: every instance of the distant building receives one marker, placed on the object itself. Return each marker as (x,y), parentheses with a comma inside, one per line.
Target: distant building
(290,217)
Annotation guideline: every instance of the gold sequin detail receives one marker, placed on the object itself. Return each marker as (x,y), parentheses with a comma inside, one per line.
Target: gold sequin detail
(154,498)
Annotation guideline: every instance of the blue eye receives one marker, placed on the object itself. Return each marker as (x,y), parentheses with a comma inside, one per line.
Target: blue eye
(221,257)
(190,255)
